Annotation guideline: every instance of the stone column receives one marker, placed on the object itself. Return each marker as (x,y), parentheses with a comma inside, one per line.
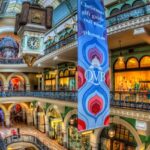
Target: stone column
(93,142)
(5,87)
(46,125)
(29,117)
(39,88)
(7,119)
(57,81)
(28,87)
(65,136)
(35,121)
(43,83)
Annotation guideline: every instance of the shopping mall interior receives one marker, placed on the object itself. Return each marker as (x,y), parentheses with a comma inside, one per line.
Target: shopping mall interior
(39,79)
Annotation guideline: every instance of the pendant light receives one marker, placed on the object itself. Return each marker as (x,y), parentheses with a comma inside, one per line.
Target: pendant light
(121,57)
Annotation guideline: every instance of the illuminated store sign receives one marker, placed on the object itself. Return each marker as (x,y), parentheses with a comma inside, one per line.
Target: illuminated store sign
(93,66)
(140,125)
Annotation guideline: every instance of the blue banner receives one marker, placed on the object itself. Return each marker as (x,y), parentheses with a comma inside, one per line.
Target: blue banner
(93,66)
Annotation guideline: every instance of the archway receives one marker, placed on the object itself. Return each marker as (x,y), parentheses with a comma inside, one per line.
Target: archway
(2,82)
(17,83)
(18,114)
(117,137)
(40,119)
(74,138)
(19,78)
(117,120)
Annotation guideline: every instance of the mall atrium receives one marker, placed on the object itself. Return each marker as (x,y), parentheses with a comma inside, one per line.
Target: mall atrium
(38,76)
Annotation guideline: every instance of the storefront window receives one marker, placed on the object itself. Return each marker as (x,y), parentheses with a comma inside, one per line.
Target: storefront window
(55,126)
(50,81)
(145,62)
(119,65)
(67,80)
(122,139)
(132,80)
(132,63)
(77,140)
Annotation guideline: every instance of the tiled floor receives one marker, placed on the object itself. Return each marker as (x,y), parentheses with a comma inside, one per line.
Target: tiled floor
(30,130)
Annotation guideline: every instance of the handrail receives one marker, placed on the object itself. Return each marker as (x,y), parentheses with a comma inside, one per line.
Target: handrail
(139,100)
(58,95)
(60,43)
(11,61)
(26,138)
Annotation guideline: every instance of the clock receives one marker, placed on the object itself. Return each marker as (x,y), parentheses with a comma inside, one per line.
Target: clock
(33,43)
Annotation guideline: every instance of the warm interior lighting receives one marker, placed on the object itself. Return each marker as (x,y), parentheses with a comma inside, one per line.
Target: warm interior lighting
(121,59)
(87,132)
(111,133)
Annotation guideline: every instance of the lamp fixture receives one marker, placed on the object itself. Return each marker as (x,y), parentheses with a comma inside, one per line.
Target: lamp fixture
(121,57)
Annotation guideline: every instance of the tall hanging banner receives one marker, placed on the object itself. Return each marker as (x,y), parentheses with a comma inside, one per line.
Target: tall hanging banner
(93,66)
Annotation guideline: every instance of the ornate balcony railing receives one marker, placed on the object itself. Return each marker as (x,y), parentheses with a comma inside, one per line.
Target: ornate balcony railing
(26,138)
(11,61)
(132,13)
(58,95)
(61,43)
(133,99)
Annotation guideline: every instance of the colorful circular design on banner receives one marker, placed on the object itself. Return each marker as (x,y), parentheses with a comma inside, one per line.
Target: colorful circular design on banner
(81,77)
(81,125)
(95,105)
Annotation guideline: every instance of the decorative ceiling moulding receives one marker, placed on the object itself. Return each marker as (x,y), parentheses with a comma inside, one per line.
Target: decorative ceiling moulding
(131,24)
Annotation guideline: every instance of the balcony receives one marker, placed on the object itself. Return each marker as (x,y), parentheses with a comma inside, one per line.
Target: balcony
(132,100)
(56,95)
(11,61)
(27,139)
(70,39)
(126,19)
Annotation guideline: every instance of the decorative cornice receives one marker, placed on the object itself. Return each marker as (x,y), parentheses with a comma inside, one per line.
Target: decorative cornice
(128,113)
(130,24)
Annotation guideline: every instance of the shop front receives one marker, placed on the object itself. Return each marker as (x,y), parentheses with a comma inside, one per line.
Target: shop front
(50,80)
(133,77)
(67,77)
(117,137)
(55,126)
(77,140)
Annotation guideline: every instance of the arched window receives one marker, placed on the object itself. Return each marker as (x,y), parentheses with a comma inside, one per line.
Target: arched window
(119,65)
(114,11)
(137,3)
(145,61)
(125,7)
(66,73)
(117,137)
(132,63)
(61,74)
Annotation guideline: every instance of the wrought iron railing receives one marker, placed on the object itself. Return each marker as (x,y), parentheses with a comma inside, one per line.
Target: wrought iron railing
(26,138)
(59,95)
(61,43)
(11,61)
(129,14)
(132,99)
